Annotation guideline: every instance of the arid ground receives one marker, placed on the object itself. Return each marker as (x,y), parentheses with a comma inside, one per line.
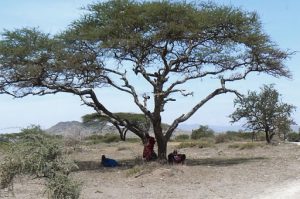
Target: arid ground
(221,171)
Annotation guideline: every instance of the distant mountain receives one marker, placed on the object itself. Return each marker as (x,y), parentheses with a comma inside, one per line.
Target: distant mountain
(79,129)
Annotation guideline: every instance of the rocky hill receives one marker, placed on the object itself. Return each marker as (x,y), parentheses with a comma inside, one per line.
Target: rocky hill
(79,129)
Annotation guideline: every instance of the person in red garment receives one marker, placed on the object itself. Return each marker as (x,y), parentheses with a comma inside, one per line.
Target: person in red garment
(148,153)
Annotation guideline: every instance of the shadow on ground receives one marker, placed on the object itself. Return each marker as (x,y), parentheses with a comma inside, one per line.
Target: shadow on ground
(221,161)
(95,165)
(130,163)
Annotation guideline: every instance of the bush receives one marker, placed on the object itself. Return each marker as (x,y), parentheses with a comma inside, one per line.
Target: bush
(107,138)
(182,137)
(202,132)
(294,137)
(60,186)
(40,155)
(206,144)
(233,136)
(221,138)
(187,145)
(201,144)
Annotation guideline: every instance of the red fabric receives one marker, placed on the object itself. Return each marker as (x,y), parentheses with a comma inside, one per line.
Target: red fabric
(148,148)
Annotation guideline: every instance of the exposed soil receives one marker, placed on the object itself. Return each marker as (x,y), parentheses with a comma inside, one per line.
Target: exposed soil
(218,172)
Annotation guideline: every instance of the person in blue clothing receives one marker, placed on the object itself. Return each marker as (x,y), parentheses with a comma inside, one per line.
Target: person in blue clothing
(107,162)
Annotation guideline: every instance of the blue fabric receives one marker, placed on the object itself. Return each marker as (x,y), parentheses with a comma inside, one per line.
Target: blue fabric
(109,162)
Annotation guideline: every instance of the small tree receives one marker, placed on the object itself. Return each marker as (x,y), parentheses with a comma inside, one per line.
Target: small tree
(202,132)
(264,112)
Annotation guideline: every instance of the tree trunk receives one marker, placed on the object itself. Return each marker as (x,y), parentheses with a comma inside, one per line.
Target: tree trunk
(162,149)
(267,135)
(160,139)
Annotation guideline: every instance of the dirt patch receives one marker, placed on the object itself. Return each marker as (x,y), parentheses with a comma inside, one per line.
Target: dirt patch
(218,172)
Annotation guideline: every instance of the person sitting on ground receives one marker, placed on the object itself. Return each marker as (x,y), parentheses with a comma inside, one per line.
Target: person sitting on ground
(107,162)
(148,153)
(176,157)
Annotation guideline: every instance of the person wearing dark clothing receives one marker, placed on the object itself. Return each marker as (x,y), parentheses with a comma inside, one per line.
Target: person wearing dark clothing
(176,158)
(107,162)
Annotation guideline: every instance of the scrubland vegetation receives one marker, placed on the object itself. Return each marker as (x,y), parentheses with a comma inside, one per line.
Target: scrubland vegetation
(34,153)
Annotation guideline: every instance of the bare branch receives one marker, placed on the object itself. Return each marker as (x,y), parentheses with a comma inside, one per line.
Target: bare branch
(186,116)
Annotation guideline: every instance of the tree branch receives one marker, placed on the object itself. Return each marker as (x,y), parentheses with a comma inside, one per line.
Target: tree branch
(186,116)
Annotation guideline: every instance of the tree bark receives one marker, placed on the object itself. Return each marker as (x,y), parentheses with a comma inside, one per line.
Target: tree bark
(267,135)
(160,139)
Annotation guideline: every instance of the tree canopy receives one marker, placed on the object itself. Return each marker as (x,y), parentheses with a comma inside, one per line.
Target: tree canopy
(139,121)
(264,112)
(163,43)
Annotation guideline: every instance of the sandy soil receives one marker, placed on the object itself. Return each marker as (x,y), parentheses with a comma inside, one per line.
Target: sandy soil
(268,172)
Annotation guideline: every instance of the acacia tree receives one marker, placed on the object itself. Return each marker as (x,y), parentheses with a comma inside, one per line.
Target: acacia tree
(164,44)
(136,119)
(264,112)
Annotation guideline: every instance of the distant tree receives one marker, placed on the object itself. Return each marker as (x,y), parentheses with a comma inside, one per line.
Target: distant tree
(138,121)
(165,44)
(202,132)
(264,112)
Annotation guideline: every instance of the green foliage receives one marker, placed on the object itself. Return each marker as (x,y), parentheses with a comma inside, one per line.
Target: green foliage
(15,137)
(187,145)
(4,145)
(182,137)
(206,143)
(107,138)
(166,44)
(135,119)
(293,137)
(202,132)
(38,154)
(264,112)
(132,117)
(61,186)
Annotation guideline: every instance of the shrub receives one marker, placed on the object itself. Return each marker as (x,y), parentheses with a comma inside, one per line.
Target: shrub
(221,138)
(60,186)
(40,155)
(202,132)
(108,138)
(186,145)
(182,137)
(206,144)
(71,142)
(294,137)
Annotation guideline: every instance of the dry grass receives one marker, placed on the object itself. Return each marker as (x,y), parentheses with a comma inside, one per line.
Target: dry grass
(247,145)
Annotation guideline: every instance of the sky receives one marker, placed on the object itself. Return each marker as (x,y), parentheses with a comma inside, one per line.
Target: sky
(280,20)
